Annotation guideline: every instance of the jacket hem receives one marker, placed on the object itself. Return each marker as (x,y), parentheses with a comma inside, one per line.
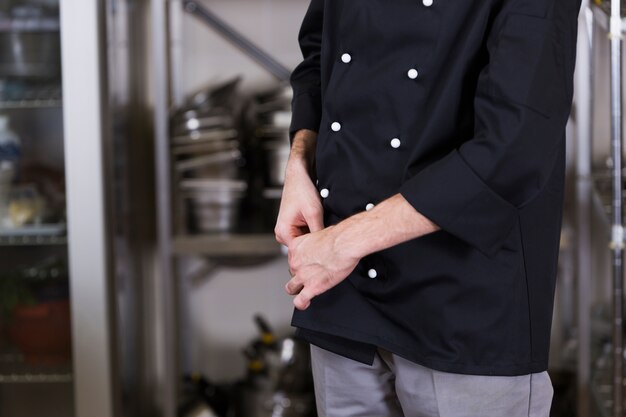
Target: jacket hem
(514,369)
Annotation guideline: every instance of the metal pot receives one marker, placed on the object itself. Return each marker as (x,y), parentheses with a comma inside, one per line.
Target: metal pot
(30,54)
(213,204)
(218,95)
(205,136)
(213,165)
(197,122)
(204,148)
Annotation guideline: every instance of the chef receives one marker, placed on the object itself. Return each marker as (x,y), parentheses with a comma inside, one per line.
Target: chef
(423,200)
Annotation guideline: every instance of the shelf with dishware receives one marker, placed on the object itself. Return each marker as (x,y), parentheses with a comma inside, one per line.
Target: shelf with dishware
(35,340)
(229,154)
(34,235)
(28,216)
(20,94)
(32,20)
(225,245)
(30,104)
(15,369)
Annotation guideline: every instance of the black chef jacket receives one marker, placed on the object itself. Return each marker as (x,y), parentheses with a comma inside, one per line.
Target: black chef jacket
(460,106)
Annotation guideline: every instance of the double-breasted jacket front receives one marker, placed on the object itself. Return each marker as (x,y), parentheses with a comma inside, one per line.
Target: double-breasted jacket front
(460,106)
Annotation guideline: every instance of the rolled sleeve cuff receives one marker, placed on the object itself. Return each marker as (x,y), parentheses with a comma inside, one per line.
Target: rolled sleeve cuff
(306,112)
(450,194)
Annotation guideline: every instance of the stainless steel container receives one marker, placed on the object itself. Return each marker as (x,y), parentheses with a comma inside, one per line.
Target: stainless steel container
(212,165)
(213,204)
(205,136)
(30,54)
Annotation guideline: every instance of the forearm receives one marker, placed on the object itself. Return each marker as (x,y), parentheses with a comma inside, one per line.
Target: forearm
(302,153)
(387,224)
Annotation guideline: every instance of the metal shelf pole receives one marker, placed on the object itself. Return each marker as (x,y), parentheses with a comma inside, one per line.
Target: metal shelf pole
(163,290)
(583,108)
(617,230)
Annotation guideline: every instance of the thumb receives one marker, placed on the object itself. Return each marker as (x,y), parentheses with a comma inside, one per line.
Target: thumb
(315,222)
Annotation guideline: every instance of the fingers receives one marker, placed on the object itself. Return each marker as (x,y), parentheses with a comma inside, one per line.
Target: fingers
(294,285)
(303,300)
(288,228)
(306,285)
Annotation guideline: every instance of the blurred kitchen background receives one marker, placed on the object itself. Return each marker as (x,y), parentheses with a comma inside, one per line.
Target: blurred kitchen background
(142,152)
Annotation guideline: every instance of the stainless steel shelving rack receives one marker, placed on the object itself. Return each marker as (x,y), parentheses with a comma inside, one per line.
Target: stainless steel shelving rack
(29,104)
(14,370)
(166,20)
(600,376)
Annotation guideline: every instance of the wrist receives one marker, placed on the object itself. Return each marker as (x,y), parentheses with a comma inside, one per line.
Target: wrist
(297,165)
(348,238)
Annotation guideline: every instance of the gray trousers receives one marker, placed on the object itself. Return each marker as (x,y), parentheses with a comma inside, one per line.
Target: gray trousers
(395,387)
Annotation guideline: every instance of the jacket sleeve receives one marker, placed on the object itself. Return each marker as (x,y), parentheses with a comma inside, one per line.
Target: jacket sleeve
(306,106)
(521,104)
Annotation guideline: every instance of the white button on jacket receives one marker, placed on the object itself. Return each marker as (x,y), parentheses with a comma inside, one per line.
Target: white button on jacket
(324,192)
(412,73)
(335,126)
(346,58)
(369,206)
(395,143)
(427,3)
(372,273)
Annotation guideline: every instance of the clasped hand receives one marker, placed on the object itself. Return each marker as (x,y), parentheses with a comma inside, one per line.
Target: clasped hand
(316,264)
(317,259)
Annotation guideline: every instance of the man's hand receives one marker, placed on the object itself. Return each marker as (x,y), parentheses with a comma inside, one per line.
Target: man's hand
(318,261)
(317,265)
(300,206)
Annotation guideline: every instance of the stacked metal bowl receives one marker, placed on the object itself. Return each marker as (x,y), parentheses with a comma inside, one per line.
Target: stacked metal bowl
(273,116)
(207,156)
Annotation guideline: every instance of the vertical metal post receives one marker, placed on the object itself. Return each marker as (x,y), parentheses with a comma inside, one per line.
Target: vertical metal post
(164,308)
(617,230)
(85,115)
(583,108)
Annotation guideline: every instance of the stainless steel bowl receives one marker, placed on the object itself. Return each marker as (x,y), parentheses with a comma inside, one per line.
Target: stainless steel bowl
(205,136)
(212,165)
(213,204)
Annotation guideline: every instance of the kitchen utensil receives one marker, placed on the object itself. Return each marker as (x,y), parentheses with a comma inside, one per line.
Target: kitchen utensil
(205,136)
(32,51)
(215,95)
(214,165)
(204,148)
(197,122)
(213,204)
(279,381)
